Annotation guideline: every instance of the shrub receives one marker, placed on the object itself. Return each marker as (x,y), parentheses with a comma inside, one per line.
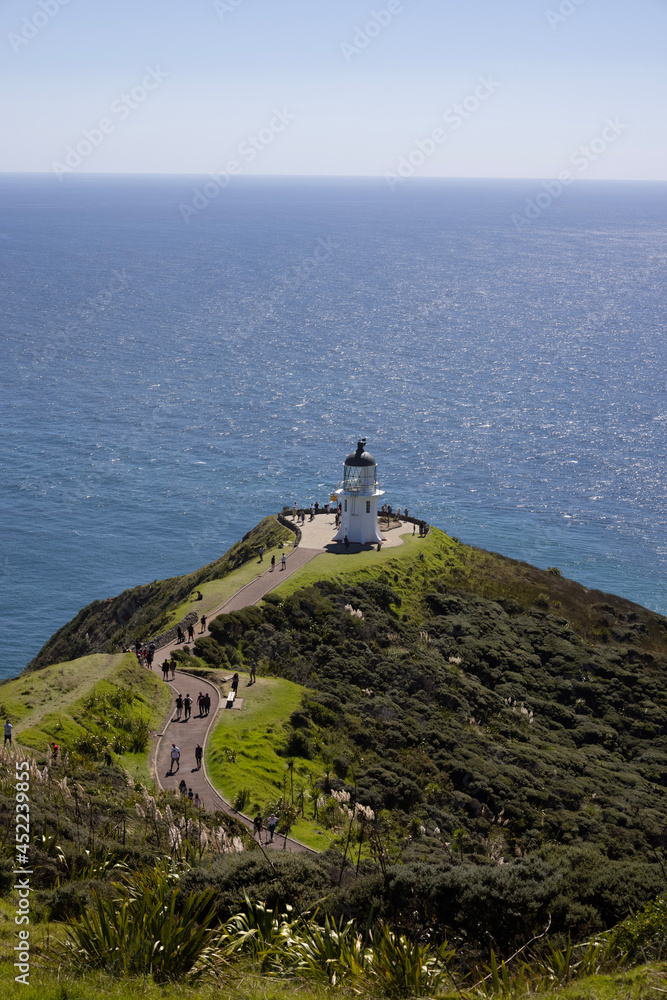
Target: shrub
(145,930)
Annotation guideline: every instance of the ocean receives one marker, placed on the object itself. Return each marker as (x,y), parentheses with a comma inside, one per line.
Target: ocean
(180,360)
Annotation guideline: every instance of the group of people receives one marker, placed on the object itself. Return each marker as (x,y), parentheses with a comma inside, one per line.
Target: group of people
(299,513)
(145,653)
(184,705)
(271,824)
(189,794)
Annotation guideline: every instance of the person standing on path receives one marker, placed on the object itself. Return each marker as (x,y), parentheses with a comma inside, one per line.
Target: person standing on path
(207,704)
(199,753)
(187,705)
(8,733)
(257,826)
(175,758)
(165,670)
(273,563)
(202,622)
(284,562)
(179,708)
(179,634)
(191,632)
(272,823)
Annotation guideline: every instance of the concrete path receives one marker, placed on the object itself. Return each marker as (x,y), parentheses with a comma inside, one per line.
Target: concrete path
(187,734)
(316,538)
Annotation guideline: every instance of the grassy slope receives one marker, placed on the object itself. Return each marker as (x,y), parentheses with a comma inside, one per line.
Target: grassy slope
(53,704)
(216,592)
(411,569)
(251,736)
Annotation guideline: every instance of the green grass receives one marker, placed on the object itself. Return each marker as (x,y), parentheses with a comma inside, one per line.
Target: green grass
(53,704)
(242,752)
(216,592)
(30,697)
(391,565)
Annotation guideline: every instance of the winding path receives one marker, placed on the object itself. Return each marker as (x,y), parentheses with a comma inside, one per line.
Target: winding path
(187,734)
(316,539)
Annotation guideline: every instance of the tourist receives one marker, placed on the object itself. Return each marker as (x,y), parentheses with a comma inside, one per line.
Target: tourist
(175,758)
(165,670)
(272,823)
(191,632)
(273,563)
(179,634)
(405,513)
(283,561)
(179,708)
(253,673)
(346,542)
(257,826)
(199,753)
(235,683)
(191,794)
(187,705)
(202,622)
(207,703)
(197,802)
(261,553)
(8,733)
(182,787)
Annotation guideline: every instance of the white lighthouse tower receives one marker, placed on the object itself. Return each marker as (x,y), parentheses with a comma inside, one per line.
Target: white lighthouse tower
(359,498)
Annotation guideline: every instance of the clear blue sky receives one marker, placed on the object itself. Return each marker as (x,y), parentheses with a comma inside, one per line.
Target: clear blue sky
(355,112)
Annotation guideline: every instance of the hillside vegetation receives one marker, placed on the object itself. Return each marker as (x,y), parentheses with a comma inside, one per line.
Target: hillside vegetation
(482,745)
(507,727)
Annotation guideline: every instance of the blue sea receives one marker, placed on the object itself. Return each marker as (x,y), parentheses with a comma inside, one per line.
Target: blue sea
(166,383)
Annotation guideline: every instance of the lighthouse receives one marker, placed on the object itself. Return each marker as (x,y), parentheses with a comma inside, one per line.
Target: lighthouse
(359,498)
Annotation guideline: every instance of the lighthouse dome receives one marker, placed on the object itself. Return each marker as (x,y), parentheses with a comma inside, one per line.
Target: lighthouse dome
(360,457)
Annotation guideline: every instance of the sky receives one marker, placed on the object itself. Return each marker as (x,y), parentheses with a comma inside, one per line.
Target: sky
(433,88)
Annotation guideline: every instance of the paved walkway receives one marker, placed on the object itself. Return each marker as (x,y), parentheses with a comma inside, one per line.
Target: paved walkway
(316,538)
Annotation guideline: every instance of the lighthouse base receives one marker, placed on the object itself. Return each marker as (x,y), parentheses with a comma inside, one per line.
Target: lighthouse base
(359,531)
